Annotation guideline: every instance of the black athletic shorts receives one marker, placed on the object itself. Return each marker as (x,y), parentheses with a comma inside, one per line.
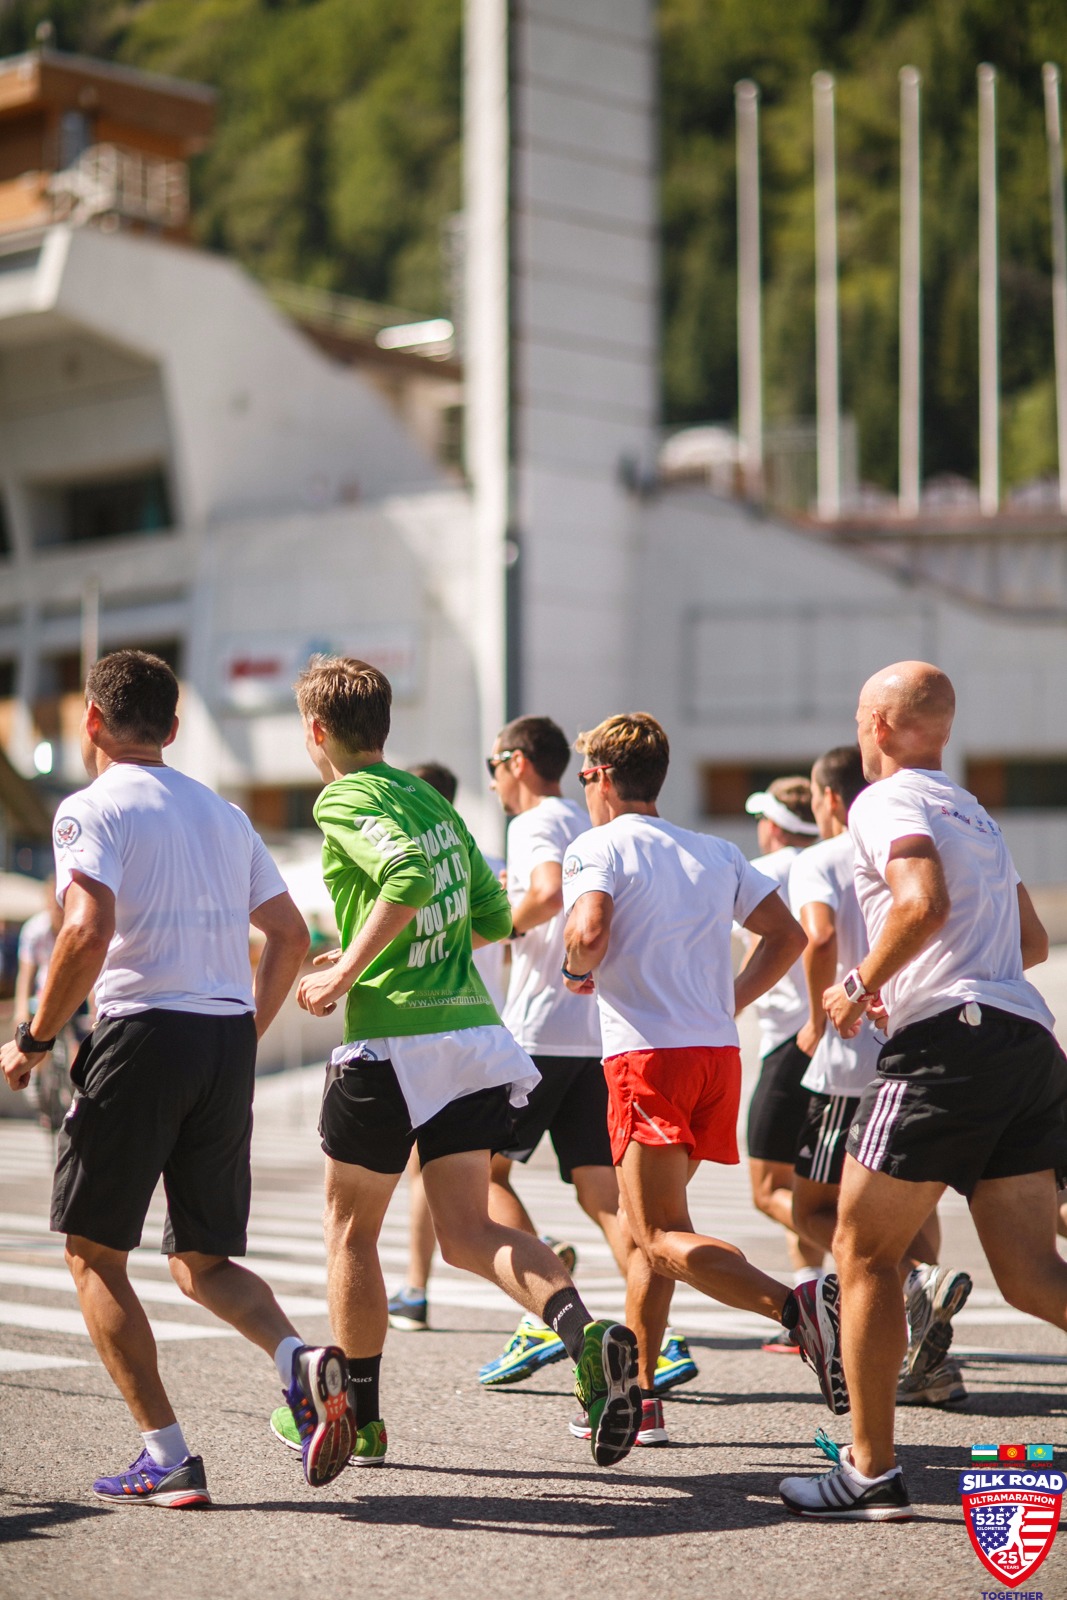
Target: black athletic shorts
(955,1103)
(365,1120)
(571,1104)
(821,1146)
(162,1093)
(779,1105)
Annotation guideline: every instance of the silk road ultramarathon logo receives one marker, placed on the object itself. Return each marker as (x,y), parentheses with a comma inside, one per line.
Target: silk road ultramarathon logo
(1012,1514)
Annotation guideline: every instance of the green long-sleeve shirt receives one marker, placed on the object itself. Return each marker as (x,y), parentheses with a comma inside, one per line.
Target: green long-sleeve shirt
(390,836)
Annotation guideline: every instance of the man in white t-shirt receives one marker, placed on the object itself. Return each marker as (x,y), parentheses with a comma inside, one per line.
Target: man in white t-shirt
(785,826)
(971,1091)
(822,897)
(651,908)
(159,879)
(561,1031)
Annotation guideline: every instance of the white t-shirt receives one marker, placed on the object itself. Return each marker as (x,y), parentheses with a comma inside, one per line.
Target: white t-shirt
(666,981)
(784,1008)
(474,1059)
(977,954)
(37,940)
(491,959)
(186,868)
(545,1017)
(824,876)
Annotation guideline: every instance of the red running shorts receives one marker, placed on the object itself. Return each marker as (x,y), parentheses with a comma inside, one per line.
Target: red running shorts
(688,1096)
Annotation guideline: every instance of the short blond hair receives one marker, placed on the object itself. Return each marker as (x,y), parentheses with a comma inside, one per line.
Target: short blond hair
(349,698)
(636,749)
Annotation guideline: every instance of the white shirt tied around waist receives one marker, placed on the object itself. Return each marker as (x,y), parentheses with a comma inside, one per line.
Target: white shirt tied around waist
(667,980)
(545,1017)
(186,869)
(977,955)
(824,875)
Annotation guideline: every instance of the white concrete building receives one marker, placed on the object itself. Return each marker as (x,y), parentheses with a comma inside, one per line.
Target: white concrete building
(176,459)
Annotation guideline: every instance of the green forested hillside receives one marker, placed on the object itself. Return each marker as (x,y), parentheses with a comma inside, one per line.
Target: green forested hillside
(337,164)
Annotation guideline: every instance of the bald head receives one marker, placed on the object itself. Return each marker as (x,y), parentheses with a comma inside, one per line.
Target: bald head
(905,716)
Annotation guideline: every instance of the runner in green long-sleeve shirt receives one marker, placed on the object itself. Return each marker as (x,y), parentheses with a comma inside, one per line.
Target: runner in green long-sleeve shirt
(426,1060)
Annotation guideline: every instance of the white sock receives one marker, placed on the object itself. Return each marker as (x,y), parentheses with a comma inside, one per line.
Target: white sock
(854,1471)
(283,1358)
(806,1275)
(166,1446)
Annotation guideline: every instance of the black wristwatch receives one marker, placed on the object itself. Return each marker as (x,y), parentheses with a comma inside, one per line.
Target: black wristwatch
(28,1044)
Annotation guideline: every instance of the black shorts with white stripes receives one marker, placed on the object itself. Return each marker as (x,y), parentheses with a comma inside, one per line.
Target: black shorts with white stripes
(955,1102)
(821,1145)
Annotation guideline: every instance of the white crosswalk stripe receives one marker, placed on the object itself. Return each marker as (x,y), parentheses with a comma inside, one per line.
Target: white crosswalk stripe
(286,1243)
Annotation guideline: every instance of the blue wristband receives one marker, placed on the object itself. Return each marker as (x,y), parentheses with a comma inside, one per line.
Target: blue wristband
(575,977)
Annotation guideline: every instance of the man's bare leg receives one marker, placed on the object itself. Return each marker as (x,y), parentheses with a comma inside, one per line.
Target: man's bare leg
(1016,1222)
(648,1303)
(815,1210)
(120,1330)
(422,1241)
(356,1203)
(505,1206)
(234,1294)
(772,1193)
(653,1183)
(457,1189)
(878,1217)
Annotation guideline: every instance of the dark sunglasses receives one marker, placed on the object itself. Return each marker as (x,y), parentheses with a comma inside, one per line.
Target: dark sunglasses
(492,762)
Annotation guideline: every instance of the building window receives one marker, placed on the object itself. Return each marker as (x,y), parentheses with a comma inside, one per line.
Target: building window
(282,808)
(102,508)
(726,785)
(1013,783)
(5,537)
(8,677)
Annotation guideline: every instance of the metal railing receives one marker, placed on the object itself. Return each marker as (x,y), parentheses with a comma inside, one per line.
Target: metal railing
(109,180)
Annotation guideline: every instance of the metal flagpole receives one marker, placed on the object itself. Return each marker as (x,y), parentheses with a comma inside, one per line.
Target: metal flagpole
(1051,76)
(910,296)
(827,360)
(988,317)
(749,291)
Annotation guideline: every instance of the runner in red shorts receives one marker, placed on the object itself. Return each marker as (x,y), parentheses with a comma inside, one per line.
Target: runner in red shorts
(651,906)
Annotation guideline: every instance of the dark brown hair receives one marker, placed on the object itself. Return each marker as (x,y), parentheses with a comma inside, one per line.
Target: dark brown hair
(438,776)
(135,693)
(543,743)
(841,769)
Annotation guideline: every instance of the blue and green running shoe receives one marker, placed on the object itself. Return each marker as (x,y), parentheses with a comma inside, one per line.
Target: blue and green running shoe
(606,1387)
(371,1441)
(674,1365)
(531,1346)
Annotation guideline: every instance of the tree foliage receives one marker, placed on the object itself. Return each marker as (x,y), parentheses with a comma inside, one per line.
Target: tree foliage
(337,163)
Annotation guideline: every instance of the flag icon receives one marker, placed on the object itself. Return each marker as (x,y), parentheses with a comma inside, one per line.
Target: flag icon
(984,1452)
(1012,1452)
(1039,1452)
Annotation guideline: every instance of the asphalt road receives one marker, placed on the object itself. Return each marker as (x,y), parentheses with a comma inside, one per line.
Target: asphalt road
(485,1493)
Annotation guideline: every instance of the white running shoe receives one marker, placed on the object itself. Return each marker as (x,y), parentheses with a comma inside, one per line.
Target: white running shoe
(842,1495)
(942,1385)
(932,1296)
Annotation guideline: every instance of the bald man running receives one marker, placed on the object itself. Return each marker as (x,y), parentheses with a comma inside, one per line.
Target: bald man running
(971,1087)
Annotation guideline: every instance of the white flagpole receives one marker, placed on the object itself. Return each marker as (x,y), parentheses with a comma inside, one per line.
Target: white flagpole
(910,295)
(749,290)
(988,311)
(827,359)
(1051,76)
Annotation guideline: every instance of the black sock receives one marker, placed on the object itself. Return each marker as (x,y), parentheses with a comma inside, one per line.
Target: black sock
(648,1394)
(567,1317)
(363,1375)
(790,1312)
